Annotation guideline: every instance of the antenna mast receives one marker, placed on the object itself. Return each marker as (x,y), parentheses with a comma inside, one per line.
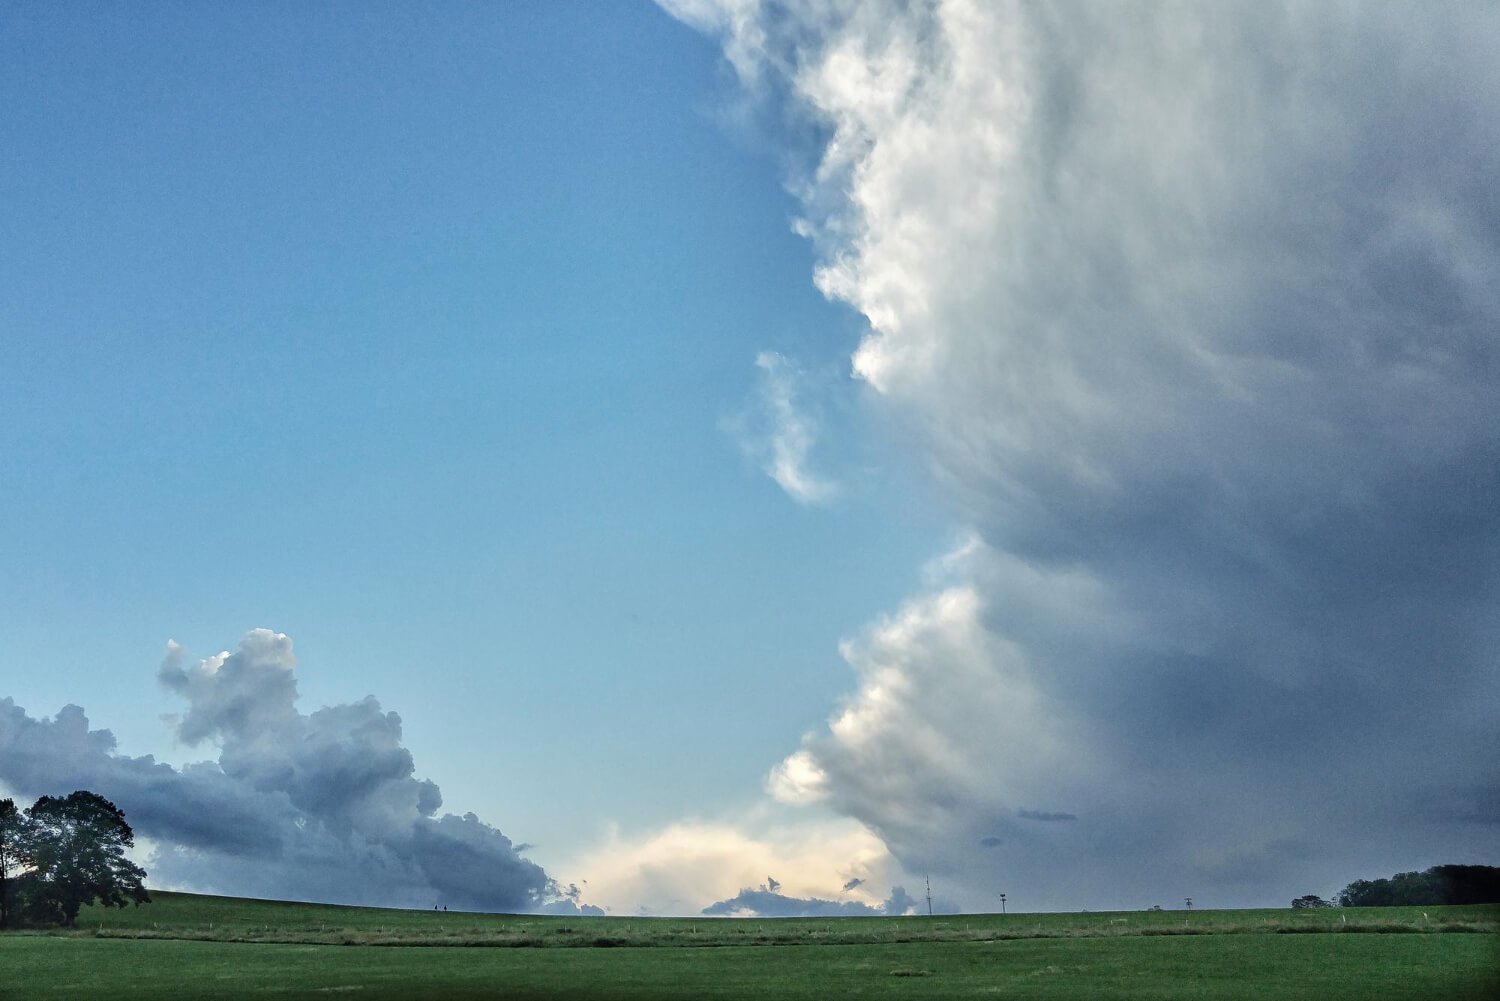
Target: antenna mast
(929,896)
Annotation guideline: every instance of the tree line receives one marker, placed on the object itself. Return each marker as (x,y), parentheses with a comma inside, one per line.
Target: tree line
(62,853)
(1441,884)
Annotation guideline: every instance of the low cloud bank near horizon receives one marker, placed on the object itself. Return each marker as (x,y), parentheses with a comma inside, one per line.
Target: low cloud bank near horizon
(1193,314)
(680,868)
(323,806)
(766,901)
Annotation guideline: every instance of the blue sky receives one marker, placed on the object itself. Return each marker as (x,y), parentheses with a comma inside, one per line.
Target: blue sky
(844,443)
(418,338)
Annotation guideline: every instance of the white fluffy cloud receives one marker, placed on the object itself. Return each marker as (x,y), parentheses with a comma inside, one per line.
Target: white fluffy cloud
(949,716)
(1195,313)
(321,806)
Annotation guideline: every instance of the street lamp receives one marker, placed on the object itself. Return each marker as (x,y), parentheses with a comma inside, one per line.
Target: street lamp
(1189,901)
(1002,903)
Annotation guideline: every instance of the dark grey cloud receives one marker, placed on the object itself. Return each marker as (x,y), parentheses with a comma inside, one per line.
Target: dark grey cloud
(764,902)
(569,902)
(1194,315)
(321,806)
(571,908)
(1044,816)
(901,902)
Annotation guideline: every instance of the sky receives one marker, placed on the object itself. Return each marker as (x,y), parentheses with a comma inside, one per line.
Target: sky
(742,458)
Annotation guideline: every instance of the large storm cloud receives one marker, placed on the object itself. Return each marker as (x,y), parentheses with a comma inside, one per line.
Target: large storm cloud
(1194,311)
(321,806)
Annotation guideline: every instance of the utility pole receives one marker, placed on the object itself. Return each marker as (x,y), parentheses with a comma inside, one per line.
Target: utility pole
(1002,903)
(929,896)
(1189,901)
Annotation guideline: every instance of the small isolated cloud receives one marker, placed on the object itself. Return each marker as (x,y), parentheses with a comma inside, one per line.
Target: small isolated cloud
(323,806)
(781,430)
(992,841)
(852,883)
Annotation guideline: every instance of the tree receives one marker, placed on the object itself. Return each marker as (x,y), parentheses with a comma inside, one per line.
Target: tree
(1468,884)
(1311,900)
(12,828)
(75,846)
(1441,884)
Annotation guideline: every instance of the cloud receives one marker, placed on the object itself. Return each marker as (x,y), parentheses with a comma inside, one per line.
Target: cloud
(321,806)
(688,865)
(767,903)
(569,902)
(781,432)
(1193,315)
(901,902)
(735,20)
(1045,816)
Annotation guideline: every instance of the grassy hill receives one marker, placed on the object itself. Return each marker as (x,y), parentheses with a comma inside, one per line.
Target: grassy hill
(237,919)
(185,946)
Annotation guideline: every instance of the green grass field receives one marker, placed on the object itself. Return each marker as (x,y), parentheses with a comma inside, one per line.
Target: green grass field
(184,946)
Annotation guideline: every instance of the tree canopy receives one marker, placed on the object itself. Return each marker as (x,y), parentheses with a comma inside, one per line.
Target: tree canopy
(11,823)
(1441,884)
(69,851)
(1310,901)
